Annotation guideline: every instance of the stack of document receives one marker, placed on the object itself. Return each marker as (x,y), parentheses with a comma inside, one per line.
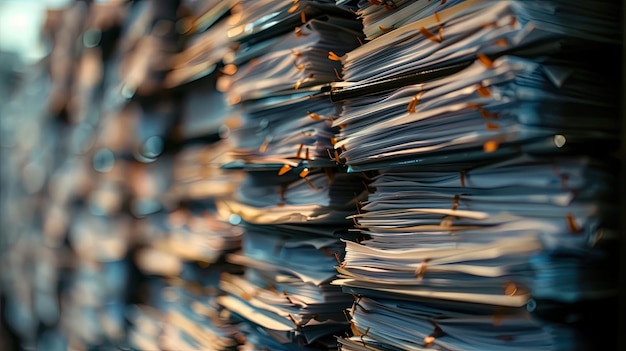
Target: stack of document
(287,51)
(291,243)
(293,202)
(523,220)
(384,323)
(284,297)
(485,29)
(487,110)
(380,17)
(494,197)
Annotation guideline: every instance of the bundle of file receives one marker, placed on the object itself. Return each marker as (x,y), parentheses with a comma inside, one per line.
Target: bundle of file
(294,200)
(493,218)
(382,16)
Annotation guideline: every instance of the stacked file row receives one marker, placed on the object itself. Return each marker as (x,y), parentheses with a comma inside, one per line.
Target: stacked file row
(144,245)
(493,214)
(294,200)
(314,174)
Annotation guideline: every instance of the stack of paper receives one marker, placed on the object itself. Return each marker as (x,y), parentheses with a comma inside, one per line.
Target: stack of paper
(293,201)
(380,17)
(489,200)
(282,122)
(486,111)
(284,292)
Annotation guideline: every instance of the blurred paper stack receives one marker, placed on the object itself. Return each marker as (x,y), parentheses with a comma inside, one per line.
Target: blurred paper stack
(182,251)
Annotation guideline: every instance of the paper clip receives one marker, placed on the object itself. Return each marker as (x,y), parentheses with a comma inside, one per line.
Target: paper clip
(341,264)
(246,296)
(330,156)
(414,101)
(336,154)
(295,322)
(298,32)
(429,35)
(490,146)
(284,169)
(305,172)
(333,56)
(345,314)
(455,202)
(502,42)
(299,152)
(337,74)
(436,14)
(296,53)
(365,334)
(313,115)
(265,144)
(430,339)
(273,289)
(511,289)
(357,203)
(300,81)
(422,269)
(288,298)
(573,227)
(492,126)
(486,61)
(483,91)
(299,67)
(385,29)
